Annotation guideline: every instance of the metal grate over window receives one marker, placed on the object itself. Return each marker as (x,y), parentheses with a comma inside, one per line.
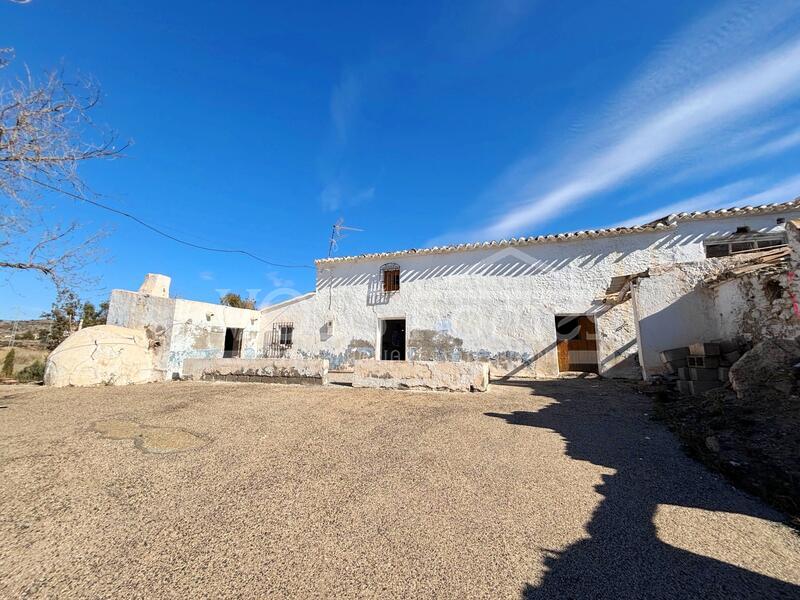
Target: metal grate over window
(281,340)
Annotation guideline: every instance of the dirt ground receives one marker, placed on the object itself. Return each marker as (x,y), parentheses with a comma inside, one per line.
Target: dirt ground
(562,489)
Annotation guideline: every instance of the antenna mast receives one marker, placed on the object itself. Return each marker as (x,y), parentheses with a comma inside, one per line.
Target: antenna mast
(336,235)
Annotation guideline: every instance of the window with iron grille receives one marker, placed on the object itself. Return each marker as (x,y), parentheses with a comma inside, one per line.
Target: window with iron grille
(281,340)
(390,274)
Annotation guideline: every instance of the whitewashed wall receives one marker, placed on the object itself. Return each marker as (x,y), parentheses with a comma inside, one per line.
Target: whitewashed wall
(496,305)
(184,328)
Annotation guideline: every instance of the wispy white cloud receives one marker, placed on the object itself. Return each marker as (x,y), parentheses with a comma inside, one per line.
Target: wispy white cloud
(739,193)
(206,275)
(788,189)
(728,195)
(709,82)
(345,99)
(760,84)
(336,195)
(338,190)
(277,281)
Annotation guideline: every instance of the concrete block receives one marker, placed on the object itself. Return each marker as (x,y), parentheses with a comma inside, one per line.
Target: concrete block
(704,349)
(673,366)
(685,388)
(674,354)
(264,370)
(430,375)
(683,373)
(726,346)
(702,374)
(703,361)
(722,374)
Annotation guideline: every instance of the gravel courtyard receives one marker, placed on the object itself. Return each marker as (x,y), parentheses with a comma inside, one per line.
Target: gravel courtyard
(561,489)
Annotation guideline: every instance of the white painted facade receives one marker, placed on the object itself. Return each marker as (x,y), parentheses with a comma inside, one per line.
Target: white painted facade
(498,303)
(494,302)
(184,328)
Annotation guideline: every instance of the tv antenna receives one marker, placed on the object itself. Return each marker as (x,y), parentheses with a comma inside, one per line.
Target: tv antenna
(336,235)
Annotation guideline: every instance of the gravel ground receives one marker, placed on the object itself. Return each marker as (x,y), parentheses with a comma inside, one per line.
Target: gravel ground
(559,489)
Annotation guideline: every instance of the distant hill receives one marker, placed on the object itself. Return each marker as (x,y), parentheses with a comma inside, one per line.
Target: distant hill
(24,334)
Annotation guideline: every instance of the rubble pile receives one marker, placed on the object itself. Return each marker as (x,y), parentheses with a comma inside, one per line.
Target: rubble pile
(701,367)
(749,429)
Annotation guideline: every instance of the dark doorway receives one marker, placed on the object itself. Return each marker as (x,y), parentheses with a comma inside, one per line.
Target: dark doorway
(233,343)
(576,339)
(393,339)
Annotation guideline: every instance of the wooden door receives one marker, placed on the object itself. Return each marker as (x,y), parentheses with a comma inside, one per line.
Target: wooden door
(576,343)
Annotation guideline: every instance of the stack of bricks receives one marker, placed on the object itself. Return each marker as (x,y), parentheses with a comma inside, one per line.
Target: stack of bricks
(701,367)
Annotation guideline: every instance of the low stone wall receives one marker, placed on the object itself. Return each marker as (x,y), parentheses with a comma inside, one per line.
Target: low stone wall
(260,370)
(430,375)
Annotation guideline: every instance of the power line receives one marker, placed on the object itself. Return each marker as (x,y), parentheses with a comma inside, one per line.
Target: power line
(163,233)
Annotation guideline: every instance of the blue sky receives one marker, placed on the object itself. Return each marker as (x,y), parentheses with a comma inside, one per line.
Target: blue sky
(256,125)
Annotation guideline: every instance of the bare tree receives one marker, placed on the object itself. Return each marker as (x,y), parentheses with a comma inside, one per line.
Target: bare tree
(46,133)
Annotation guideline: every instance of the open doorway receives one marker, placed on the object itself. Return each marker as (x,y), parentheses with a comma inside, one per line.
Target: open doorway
(576,340)
(393,339)
(233,343)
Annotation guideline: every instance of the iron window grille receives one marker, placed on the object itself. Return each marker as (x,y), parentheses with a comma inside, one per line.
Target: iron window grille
(281,341)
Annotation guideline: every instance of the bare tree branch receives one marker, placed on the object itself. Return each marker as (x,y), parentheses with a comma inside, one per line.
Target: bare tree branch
(46,132)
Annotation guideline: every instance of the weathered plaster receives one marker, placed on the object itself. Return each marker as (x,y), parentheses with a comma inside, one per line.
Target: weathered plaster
(186,329)
(500,306)
(264,370)
(430,375)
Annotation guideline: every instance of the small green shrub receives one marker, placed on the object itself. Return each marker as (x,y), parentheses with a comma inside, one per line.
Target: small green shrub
(33,372)
(8,364)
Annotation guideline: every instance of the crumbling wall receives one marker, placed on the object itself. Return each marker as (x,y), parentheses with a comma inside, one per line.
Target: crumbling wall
(758,306)
(153,314)
(262,370)
(198,331)
(182,329)
(617,349)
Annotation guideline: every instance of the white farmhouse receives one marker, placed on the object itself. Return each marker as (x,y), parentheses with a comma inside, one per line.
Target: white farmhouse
(605,301)
(530,306)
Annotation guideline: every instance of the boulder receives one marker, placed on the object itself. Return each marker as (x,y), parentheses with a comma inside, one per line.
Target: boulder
(103,355)
(766,372)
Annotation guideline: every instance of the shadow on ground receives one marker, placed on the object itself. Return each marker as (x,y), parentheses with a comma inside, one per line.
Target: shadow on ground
(623,557)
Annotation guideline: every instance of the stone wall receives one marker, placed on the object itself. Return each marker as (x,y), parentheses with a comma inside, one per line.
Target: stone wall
(262,370)
(429,375)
